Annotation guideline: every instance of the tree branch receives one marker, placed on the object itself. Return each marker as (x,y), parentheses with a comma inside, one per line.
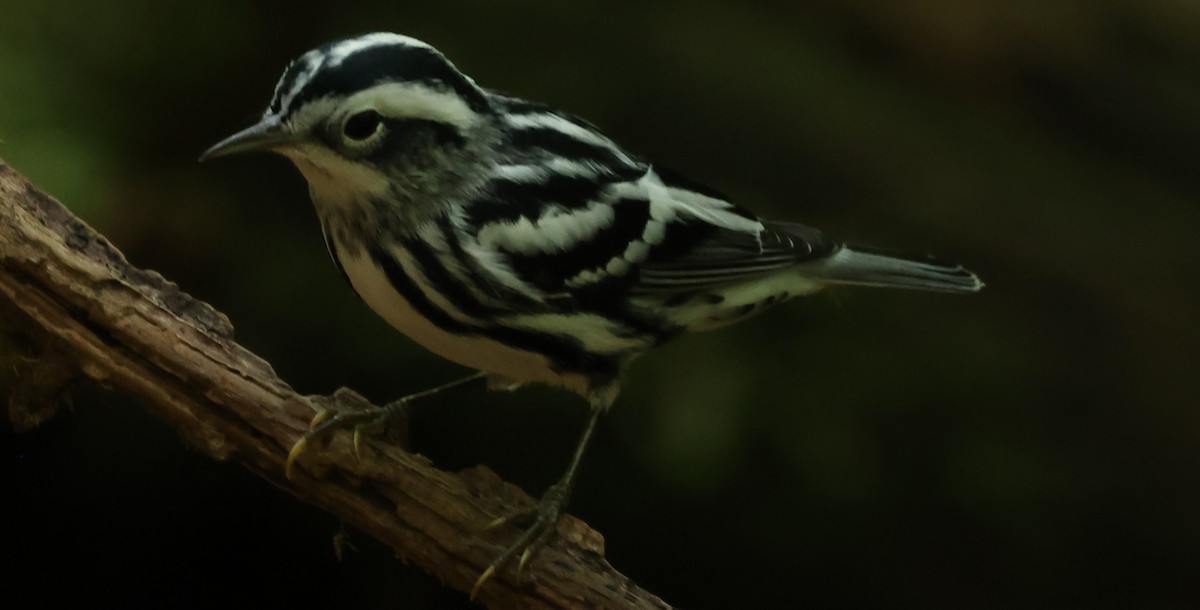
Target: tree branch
(73,306)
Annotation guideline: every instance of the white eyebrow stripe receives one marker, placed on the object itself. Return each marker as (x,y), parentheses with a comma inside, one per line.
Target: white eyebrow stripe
(416,100)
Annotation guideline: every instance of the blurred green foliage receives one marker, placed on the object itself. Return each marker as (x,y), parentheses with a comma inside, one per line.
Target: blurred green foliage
(1032,446)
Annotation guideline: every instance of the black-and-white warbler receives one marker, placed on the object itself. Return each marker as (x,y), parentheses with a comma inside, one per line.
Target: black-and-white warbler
(519,240)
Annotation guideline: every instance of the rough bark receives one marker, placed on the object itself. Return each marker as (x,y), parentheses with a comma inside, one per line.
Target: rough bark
(72,306)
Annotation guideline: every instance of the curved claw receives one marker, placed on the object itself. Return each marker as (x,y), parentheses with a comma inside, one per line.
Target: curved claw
(497,522)
(320,424)
(374,419)
(483,578)
(321,416)
(358,443)
(526,545)
(546,515)
(292,455)
(521,561)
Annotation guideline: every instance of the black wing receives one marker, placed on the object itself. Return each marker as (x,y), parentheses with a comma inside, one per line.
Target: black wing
(720,247)
(712,257)
(572,212)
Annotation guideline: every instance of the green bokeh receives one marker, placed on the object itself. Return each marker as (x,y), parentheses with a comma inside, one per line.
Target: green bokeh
(1036,445)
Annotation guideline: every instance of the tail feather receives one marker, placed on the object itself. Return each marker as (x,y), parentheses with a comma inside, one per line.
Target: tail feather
(868,267)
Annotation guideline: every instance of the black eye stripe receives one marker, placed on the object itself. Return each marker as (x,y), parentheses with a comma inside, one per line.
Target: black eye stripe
(441,133)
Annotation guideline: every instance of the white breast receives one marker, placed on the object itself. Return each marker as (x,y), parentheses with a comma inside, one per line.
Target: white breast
(471,350)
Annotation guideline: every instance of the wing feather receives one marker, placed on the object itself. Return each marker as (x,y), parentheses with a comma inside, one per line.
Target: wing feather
(576,213)
(725,256)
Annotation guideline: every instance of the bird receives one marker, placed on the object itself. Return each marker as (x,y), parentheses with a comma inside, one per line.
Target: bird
(520,241)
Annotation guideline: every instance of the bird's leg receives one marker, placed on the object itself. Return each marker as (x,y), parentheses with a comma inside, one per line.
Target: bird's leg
(373,420)
(544,515)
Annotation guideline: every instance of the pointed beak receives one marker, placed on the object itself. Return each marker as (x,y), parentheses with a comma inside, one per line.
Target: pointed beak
(267,134)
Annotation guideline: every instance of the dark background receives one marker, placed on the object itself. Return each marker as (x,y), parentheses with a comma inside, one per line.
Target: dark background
(1033,446)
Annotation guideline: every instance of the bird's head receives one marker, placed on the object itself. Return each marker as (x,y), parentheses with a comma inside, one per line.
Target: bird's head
(379,115)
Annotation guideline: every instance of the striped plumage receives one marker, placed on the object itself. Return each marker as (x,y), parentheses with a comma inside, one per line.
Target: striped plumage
(519,240)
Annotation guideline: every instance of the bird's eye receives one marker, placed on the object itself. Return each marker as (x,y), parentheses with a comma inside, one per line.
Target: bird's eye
(362,125)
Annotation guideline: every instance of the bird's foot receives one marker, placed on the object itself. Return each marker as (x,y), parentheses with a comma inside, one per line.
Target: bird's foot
(337,412)
(354,411)
(542,518)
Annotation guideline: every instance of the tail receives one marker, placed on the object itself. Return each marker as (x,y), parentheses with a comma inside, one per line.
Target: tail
(869,267)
